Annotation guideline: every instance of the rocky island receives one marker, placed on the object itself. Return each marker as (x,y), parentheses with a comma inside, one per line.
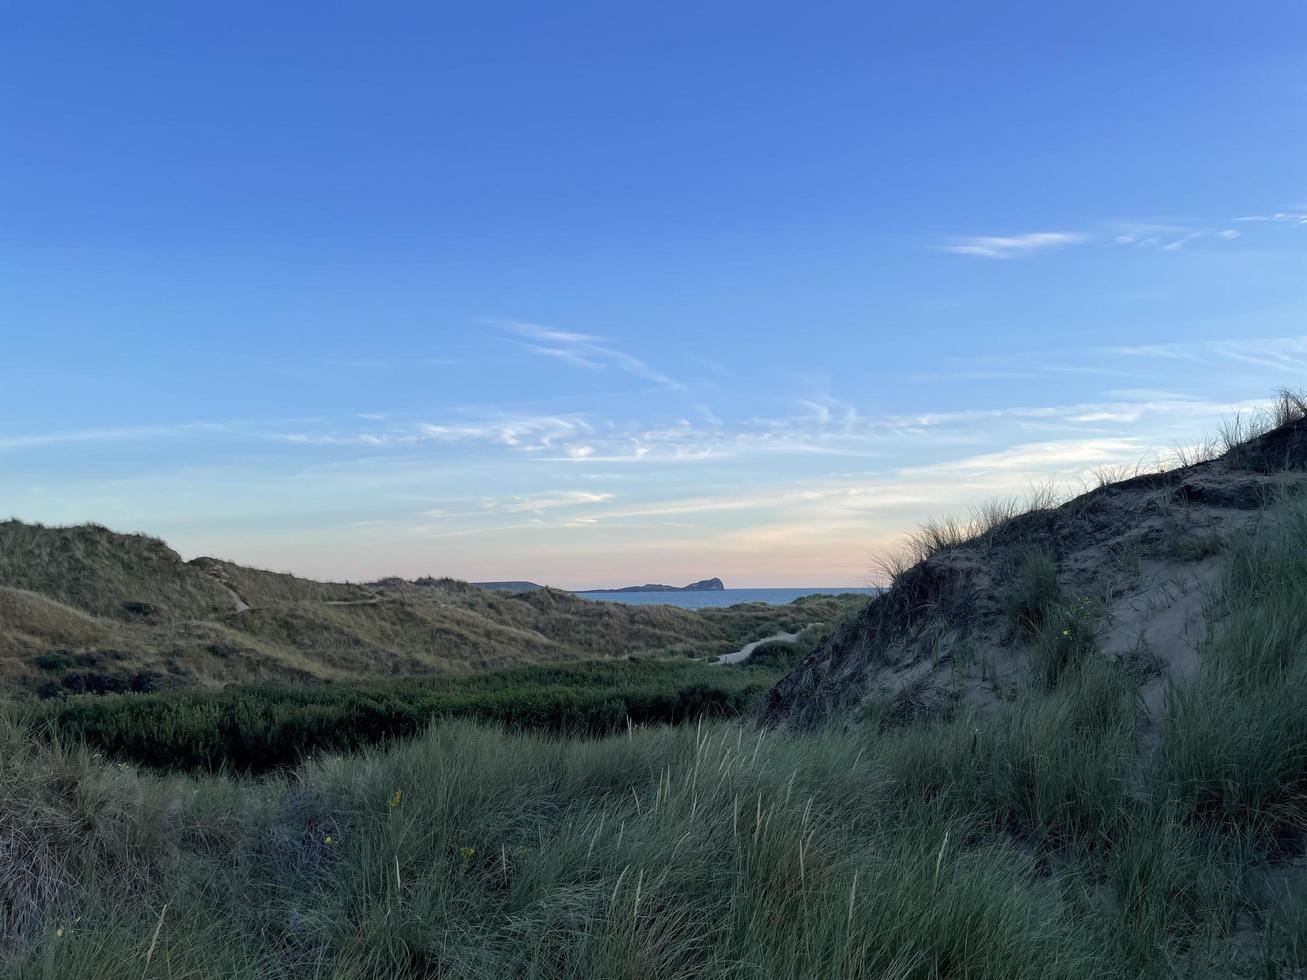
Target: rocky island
(704,585)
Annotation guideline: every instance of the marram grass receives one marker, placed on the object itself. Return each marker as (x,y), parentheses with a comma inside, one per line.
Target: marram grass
(1020,844)
(690,852)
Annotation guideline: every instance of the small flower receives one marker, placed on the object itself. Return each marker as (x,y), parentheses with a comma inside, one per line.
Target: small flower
(467,853)
(328,839)
(59,933)
(1066,632)
(394,801)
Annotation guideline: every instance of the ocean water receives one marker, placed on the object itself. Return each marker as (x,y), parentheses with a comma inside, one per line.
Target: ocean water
(726,597)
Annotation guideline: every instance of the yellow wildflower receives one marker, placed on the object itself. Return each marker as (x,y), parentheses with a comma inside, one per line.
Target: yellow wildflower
(328,840)
(468,853)
(394,801)
(59,932)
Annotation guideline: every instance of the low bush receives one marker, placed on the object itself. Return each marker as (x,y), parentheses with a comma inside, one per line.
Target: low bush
(257,728)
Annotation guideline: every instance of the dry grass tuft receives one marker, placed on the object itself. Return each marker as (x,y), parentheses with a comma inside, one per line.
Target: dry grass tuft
(939,535)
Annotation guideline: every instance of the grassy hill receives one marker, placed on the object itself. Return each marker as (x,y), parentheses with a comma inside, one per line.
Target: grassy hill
(33,621)
(87,609)
(125,577)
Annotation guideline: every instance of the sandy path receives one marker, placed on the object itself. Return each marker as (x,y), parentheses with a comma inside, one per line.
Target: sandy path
(746,651)
(240,604)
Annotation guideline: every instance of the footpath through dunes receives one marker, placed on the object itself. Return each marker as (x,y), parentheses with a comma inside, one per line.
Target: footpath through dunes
(746,651)
(1124,572)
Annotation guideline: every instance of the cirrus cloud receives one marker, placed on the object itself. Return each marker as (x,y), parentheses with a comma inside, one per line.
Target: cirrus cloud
(1013,246)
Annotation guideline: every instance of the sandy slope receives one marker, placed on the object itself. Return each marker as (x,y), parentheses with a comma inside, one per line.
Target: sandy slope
(1144,553)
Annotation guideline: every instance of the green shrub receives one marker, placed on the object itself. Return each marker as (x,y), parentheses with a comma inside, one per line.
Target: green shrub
(54,660)
(257,728)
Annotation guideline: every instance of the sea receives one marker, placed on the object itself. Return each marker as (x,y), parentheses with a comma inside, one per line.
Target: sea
(721,597)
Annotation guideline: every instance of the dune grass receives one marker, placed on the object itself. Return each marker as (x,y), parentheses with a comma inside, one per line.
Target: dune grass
(688,852)
(1017,844)
(1003,849)
(1025,842)
(258,587)
(1236,742)
(119,576)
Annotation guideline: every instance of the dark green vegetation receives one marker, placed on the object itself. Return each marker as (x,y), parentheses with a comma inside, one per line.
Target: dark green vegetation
(258,728)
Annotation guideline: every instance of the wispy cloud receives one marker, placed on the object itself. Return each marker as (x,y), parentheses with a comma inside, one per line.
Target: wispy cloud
(815,425)
(1164,236)
(1181,242)
(887,470)
(116,434)
(1040,457)
(1285,217)
(820,425)
(463,517)
(582,350)
(841,509)
(548,501)
(1282,354)
(528,432)
(1012,246)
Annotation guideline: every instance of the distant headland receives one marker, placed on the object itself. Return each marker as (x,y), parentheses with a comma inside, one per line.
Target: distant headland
(509,586)
(703,585)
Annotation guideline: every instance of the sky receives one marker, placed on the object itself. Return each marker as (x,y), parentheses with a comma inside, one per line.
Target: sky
(596,294)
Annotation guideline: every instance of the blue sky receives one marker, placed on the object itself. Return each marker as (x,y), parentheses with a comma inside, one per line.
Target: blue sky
(602,293)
